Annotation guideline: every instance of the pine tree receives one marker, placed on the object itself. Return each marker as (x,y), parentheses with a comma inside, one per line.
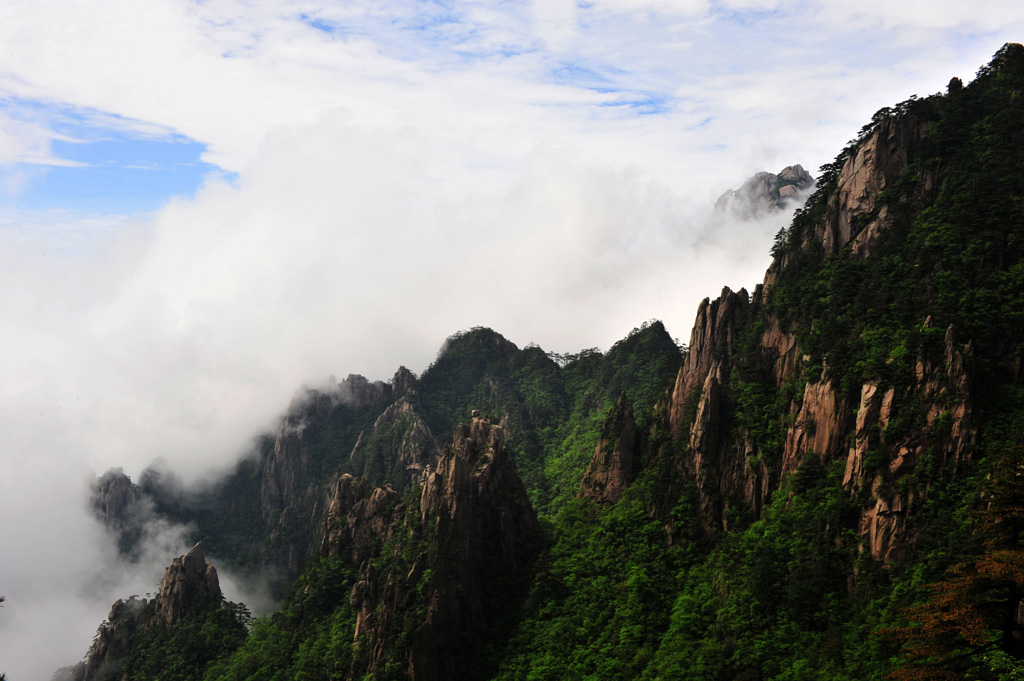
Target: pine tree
(969,622)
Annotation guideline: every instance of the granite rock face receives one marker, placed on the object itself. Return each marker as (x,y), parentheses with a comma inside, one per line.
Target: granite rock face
(115,499)
(188,582)
(944,391)
(856,215)
(292,500)
(114,639)
(763,193)
(614,463)
(821,423)
(400,440)
(713,336)
(477,533)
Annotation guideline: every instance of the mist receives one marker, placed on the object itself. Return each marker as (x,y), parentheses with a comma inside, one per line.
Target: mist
(546,170)
(338,250)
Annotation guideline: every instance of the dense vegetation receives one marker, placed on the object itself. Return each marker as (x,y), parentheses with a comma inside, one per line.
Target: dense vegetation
(184,650)
(551,406)
(641,588)
(310,638)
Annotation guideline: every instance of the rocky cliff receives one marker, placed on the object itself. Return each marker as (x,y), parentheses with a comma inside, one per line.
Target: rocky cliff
(115,498)
(463,550)
(114,640)
(744,357)
(360,519)
(189,585)
(400,444)
(884,450)
(856,211)
(763,193)
(291,497)
(614,463)
(190,582)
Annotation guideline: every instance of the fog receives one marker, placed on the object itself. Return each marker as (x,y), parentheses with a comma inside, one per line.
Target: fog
(183,336)
(382,177)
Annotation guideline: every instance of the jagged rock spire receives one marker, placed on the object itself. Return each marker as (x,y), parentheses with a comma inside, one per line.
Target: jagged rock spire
(188,581)
(612,468)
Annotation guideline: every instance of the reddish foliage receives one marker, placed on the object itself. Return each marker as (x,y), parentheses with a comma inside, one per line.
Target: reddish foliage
(973,608)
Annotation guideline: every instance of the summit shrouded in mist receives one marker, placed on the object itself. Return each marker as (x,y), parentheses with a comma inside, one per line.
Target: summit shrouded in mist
(762,193)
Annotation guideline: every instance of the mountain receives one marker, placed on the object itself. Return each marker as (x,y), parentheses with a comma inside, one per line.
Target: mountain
(763,193)
(174,635)
(825,484)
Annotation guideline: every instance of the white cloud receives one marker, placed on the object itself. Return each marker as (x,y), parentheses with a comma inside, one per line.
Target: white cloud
(28,141)
(986,15)
(59,568)
(228,73)
(342,249)
(403,174)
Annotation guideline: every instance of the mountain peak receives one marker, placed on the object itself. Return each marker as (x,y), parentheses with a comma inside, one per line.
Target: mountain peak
(189,580)
(763,193)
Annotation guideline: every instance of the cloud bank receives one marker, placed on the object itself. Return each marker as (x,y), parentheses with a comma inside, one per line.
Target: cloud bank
(339,249)
(389,174)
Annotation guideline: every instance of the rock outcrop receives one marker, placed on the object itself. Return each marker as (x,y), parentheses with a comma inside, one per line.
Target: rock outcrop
(115,498)
(477,533)
(360,518)
(820,425)
(873,436)
(726,465)
(285,474)
(763,193)
(358,392)
(856,215)
(399,445)
(402,382)
(189,582)
(612,468)
(895,429)
(292,501)
(712,339)
(114,639)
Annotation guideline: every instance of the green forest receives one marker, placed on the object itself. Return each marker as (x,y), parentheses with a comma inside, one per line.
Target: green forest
(683,576)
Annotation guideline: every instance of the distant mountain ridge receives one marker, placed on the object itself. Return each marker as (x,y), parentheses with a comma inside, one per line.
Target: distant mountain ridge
(763,193)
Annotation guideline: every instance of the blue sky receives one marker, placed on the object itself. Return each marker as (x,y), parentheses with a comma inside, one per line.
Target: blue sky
(205,204)
(120,122)
(118,174)
(97,163)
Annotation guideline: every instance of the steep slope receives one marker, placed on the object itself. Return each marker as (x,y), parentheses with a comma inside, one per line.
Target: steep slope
(614,464)
(269,510)
(115,498)
(873,379)
(418,586)
(829,436)
(144,639)
(474,537)
(837,454)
